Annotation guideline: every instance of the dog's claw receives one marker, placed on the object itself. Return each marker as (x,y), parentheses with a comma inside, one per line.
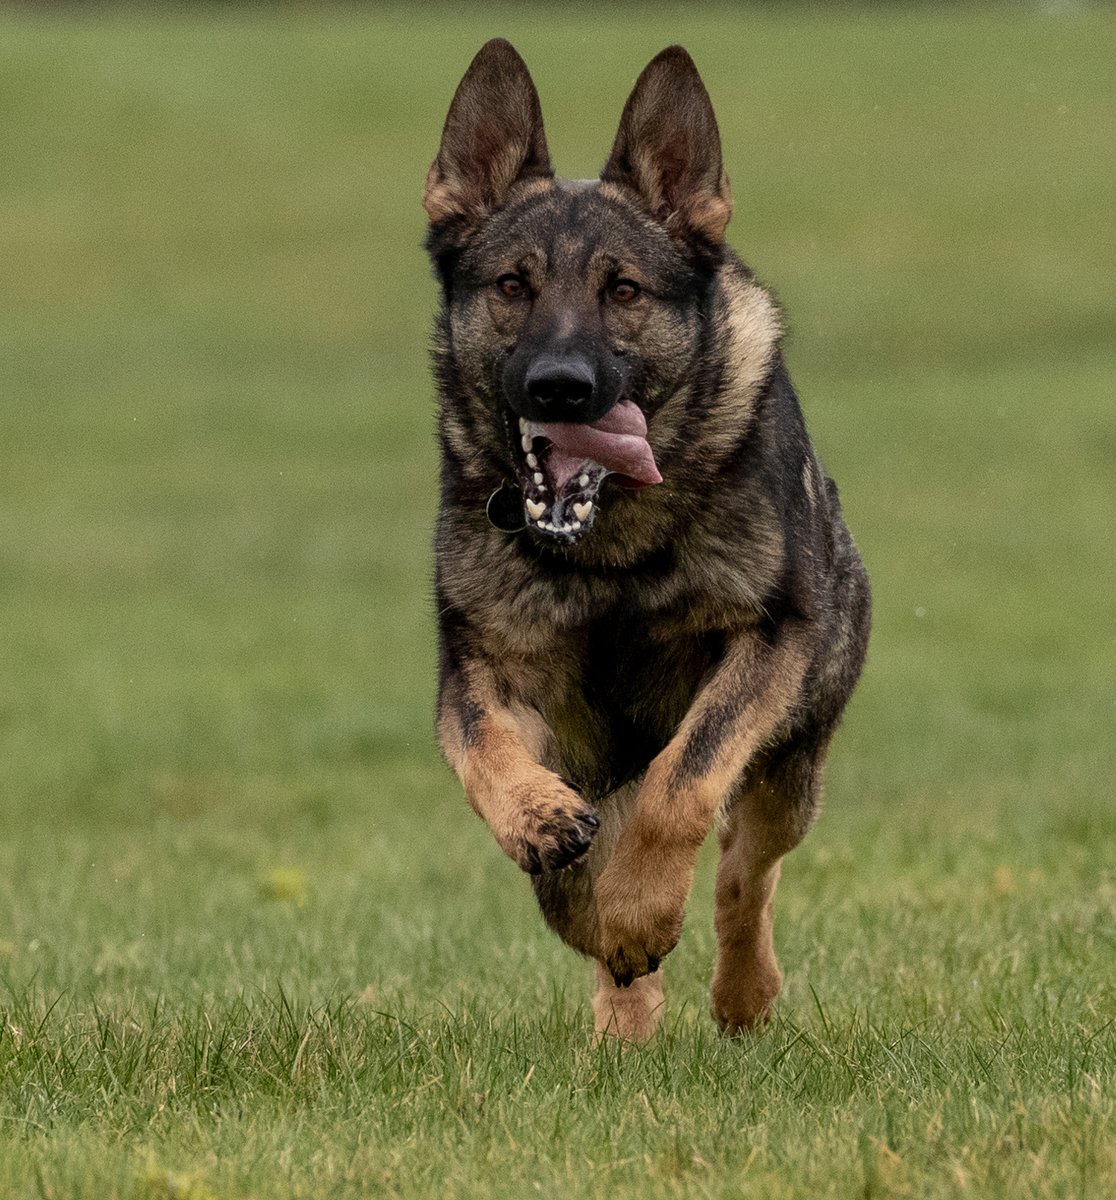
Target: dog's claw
(562,840)
(625,973)
(628,957)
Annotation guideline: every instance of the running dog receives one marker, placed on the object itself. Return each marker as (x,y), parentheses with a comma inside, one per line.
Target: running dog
(651,614)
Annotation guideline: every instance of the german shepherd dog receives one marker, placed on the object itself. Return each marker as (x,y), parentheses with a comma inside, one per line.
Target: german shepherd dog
(651,613)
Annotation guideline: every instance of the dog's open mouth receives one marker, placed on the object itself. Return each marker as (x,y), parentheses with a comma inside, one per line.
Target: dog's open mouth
(561,467)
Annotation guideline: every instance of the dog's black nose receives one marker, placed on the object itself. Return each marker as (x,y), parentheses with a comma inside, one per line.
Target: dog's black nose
(561,386)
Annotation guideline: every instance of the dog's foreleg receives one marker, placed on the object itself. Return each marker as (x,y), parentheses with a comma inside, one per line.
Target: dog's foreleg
(642,892)
(494,744)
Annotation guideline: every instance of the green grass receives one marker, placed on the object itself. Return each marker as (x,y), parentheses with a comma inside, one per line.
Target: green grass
(252,944)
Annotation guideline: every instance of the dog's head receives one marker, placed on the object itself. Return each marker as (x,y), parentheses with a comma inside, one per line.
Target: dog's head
(573,310)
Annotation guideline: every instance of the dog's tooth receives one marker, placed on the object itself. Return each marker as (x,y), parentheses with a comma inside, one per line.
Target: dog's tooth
(576,526)
(582,511)
(525,442)
(538,477)
(532,461)
(535,510)
(522,425)
(583,481)
(541,524)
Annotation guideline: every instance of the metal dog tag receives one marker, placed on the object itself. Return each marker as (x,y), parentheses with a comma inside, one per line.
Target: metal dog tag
(505,509)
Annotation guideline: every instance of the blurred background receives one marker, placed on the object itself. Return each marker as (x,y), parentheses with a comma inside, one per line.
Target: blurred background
(217,468)
(248,926)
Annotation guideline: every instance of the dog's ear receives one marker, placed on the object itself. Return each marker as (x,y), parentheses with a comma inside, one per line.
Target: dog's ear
(668,150)
(493,137)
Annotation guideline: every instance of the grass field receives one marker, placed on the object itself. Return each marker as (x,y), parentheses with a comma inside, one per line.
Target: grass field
(252,943)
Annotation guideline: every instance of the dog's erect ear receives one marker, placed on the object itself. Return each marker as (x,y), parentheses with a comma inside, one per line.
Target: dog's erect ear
(669,151)
(493,137)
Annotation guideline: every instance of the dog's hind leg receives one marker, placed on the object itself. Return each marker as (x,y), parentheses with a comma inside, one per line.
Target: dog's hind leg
(568,903)
(770,815)
(631,1013)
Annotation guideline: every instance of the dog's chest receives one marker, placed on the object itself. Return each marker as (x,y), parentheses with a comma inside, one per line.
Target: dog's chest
(628,688)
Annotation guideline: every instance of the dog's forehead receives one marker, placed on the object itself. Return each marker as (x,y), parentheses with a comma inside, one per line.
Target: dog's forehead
(572,221)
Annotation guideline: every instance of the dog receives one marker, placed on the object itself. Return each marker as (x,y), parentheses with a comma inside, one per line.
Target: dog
(650,611)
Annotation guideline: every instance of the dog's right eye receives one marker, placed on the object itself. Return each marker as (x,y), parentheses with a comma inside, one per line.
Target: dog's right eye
(511,287)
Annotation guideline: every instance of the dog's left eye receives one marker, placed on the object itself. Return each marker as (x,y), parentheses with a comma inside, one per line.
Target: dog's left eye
(624,291)
(511,287)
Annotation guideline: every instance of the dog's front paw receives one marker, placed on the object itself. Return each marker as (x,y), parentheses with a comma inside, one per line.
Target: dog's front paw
(555,828)
(638,924)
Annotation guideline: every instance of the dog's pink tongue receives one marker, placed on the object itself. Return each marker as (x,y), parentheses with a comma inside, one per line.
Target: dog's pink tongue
(618,441)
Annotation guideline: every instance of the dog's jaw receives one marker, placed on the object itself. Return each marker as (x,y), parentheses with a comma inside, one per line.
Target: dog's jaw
(555,509)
